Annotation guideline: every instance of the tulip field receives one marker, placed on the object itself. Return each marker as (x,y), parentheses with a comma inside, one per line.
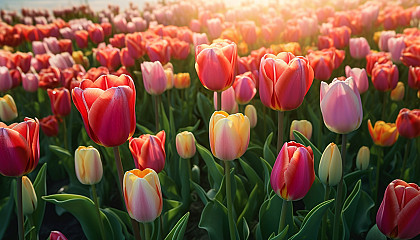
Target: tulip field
(274,120)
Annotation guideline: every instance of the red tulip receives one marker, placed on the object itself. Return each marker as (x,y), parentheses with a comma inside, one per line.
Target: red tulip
(96,33)
(322,63)
(325,42)
(359,47)
(293,172)
(109,57)
(49,125)
(126,59)
(414,77)
(6,82)
(159,50)
(284,80)
(135,44)
(81,38)
(118,40)
(50,78)
(399,213)
(375,57)
(107,106)
(180,49)
(340,36)
(19,147)
(411,56)
(107,28)
(408,123)
(385,76)
(22,60)
(216,64)
(65,45)
(149,151)
(60,101)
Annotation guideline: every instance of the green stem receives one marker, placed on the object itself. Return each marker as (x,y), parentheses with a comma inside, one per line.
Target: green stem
(378,171)
(118,163)
(66,146)
(325,218)
(280,121)
(229,201)
(339,196)
(157,112)
(189,166)
(407,144)
(146,231)
(98,212)
(264,122)
(21,230)
(384,98)
(283,215)
(219,101)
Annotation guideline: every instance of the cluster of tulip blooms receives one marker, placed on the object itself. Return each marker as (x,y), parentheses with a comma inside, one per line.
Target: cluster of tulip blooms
(339,67)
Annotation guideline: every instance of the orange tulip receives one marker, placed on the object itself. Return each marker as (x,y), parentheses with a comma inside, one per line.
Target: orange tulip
(383,134)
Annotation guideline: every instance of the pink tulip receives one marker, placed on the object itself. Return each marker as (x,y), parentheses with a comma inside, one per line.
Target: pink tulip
(126,59)
(30,82)
(56,235)
(96,33)
(214,27)
(359,76)
(6,82)
(154,78)
(383,40)
(249,32)
(385,76)
(293,172)
(195,25)
(149,151)
(341,106)
(229,103)
(38,47)
(359,47)
(140,24)
(244,88)
(52,46)
(200,38)
(396,45)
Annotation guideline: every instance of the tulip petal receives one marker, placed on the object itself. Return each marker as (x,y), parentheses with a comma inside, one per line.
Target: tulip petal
(227,142)
(15,153)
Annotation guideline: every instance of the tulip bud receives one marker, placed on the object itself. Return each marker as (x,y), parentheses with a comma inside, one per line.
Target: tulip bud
(360,77)
(229,103)
(49,125)
(60,101)
(228,130)
(142,194)
(330,165)
(251,113)
(30,82)
(169,73)
(397,94)
(185,144)
(154,77)
(359,47)
(88,165)
(149,151)
(29,200)
(8,110)
(362,159)
(302,126)
(385,76)
(383,134)
(414,77)
(244,88)
(408,123)
(293,172)
(6,79)
(182,80)
(56,235)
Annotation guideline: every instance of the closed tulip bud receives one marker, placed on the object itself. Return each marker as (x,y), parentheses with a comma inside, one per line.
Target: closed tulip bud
(49,125)
(88,165)
(135,44)
(6,82)
(399,214)
(383,39)
(19,147)
(159,50)
(214,27)
(185,144)
(408,123)
(56,235)
(29,200)
(142,194)
(96,33)
(8,110)
(229,103)
(383,134)
(385,76)
(149,151)
(362,159)
(30,82)
(302,126)
(103,103)
(60,101)
(284,80)
(244,88)
(169,73)
(154,77)
(330,165)
(341,106)
(293,172)
(414,77)
(396,45)
(251,113)
(81,38)
(322,63)
(216,64)
(397,94)
(182,80)
(359,47)
(126,59)
(109,57)
(229,135)
(360,77)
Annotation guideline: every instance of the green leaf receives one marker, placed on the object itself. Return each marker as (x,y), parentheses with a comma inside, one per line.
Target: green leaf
(60,152)
(303,140)
(6,213)
(115,224)
(315,194)
(375,234)
(40,187)
(353,177)
(280,236)
(312,221)
(84,210)
(178,230)
(267,153)
(267,174)
(170,190)
(143,129)
(205,108)
(214,220)
(200,192)
(245,228)
(254,201)
(214,169)
(253,177)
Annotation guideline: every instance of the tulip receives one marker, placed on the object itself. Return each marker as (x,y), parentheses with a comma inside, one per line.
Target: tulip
(195,25)
(229,135)
(49,125)
(385,76)
(414,77)
(135,45)
(60,101)
(6,79)
(65,45)
(302,126)
(107,106)
(251,113)
(29,200)
(200,38)
(229,103)
(38,47)
(159,50)
(359,47)
(375,57)
(142,194)
(341,106)
(322,64)
(96,33)
(8,110)
(56,235)
(154,77)
(411,56)
(383,39)
(360,78)
(185,144)
(293,172)
(109,57)
(362,159)
(19,147)
(51,45)
(214,27)
(216,64)
(88,165)
(284,80)
(244,88)
(396,45)
(149,151)
(81,38)
(383,134)
(397,94)
(182,80)
(408,123)
(399,213)
(107,28)
(330,165)
(180,49)
(249,32)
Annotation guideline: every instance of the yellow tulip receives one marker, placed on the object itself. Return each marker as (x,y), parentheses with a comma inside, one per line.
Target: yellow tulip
(29,200)
(330,165)
(87,161)
(362,159)
(302,126)
(8,110)
(383,134)
(251,113)
(185,144)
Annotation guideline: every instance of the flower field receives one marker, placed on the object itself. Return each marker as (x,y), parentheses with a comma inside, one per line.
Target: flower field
(202,120)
